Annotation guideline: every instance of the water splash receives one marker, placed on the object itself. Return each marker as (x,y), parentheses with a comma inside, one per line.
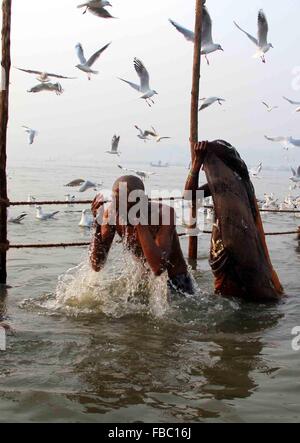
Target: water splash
(120,289)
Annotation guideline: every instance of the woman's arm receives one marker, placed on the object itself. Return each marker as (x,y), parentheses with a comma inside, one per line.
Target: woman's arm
(192,182)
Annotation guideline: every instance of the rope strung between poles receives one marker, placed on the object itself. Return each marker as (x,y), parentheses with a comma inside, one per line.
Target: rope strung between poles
(53,202)
(84,244)
(79,202)
(49,245)
(89,202)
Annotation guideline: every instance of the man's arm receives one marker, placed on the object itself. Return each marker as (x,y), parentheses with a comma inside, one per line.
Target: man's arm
(103,237)
(157,251)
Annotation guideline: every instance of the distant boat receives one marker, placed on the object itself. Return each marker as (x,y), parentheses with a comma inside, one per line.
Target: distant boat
(159,165)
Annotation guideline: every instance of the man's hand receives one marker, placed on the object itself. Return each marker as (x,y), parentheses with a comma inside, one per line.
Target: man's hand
(98,203)
(199,155)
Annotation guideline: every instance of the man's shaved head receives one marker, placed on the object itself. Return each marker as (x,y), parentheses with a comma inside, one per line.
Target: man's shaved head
(127,191)
(132,182)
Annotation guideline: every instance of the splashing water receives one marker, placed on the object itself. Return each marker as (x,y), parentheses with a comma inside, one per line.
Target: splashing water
(117,291)
(126,287)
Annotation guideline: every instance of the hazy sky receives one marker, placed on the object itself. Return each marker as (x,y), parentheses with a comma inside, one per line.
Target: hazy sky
(83,120)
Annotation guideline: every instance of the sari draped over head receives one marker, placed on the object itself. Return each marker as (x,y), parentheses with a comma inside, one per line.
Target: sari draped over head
(240,254)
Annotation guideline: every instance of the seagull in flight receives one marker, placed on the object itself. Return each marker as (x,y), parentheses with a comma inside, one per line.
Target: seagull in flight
(97,7)
(84,185)
(261,42)
(32,133)
(75,183)
(44,77)
(142,174)
(144,135)
(255,172)
(48,87)
(157,137)
(285,141)
(210,101)
(269,108)
(89,185)
(86,65)
(207,44)
(292,102)
(296,175)
(144,86)
(115,146)
(17,220)
(41,215)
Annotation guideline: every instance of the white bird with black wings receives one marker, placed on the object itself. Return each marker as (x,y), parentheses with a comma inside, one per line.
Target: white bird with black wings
(158,138)
(296,175)
(141,174)
(83,185)
(207,44)
(144,86)
(41,215)
(43,76)
(294,103)
(285,141)
(269,107)
(47,87)
(17,220)
(32,133)
(210,101)
(143,135)
(261,42)
(115,146)
(97,7)
(255,172)
(86,65)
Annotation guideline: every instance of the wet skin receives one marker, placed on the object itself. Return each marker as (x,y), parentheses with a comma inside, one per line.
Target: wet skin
(158,246)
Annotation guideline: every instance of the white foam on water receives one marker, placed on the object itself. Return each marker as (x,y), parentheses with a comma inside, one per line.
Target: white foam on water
(116,291)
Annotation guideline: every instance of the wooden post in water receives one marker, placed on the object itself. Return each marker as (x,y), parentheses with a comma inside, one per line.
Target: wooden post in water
(193,241)
(4,100)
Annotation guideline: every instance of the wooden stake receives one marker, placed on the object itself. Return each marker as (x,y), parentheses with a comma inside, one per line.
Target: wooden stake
(193,242)
(4,100)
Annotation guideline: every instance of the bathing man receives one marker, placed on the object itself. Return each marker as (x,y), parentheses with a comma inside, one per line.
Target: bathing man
(156,244)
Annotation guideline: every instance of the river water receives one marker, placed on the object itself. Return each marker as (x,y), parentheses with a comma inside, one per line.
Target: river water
(110,347)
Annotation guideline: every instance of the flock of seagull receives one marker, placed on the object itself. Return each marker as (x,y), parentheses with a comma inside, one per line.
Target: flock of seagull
(86,220)
(50,82)
(290,203)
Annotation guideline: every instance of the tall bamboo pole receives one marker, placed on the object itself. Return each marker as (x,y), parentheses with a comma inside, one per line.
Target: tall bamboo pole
(4,100)
(193,242)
